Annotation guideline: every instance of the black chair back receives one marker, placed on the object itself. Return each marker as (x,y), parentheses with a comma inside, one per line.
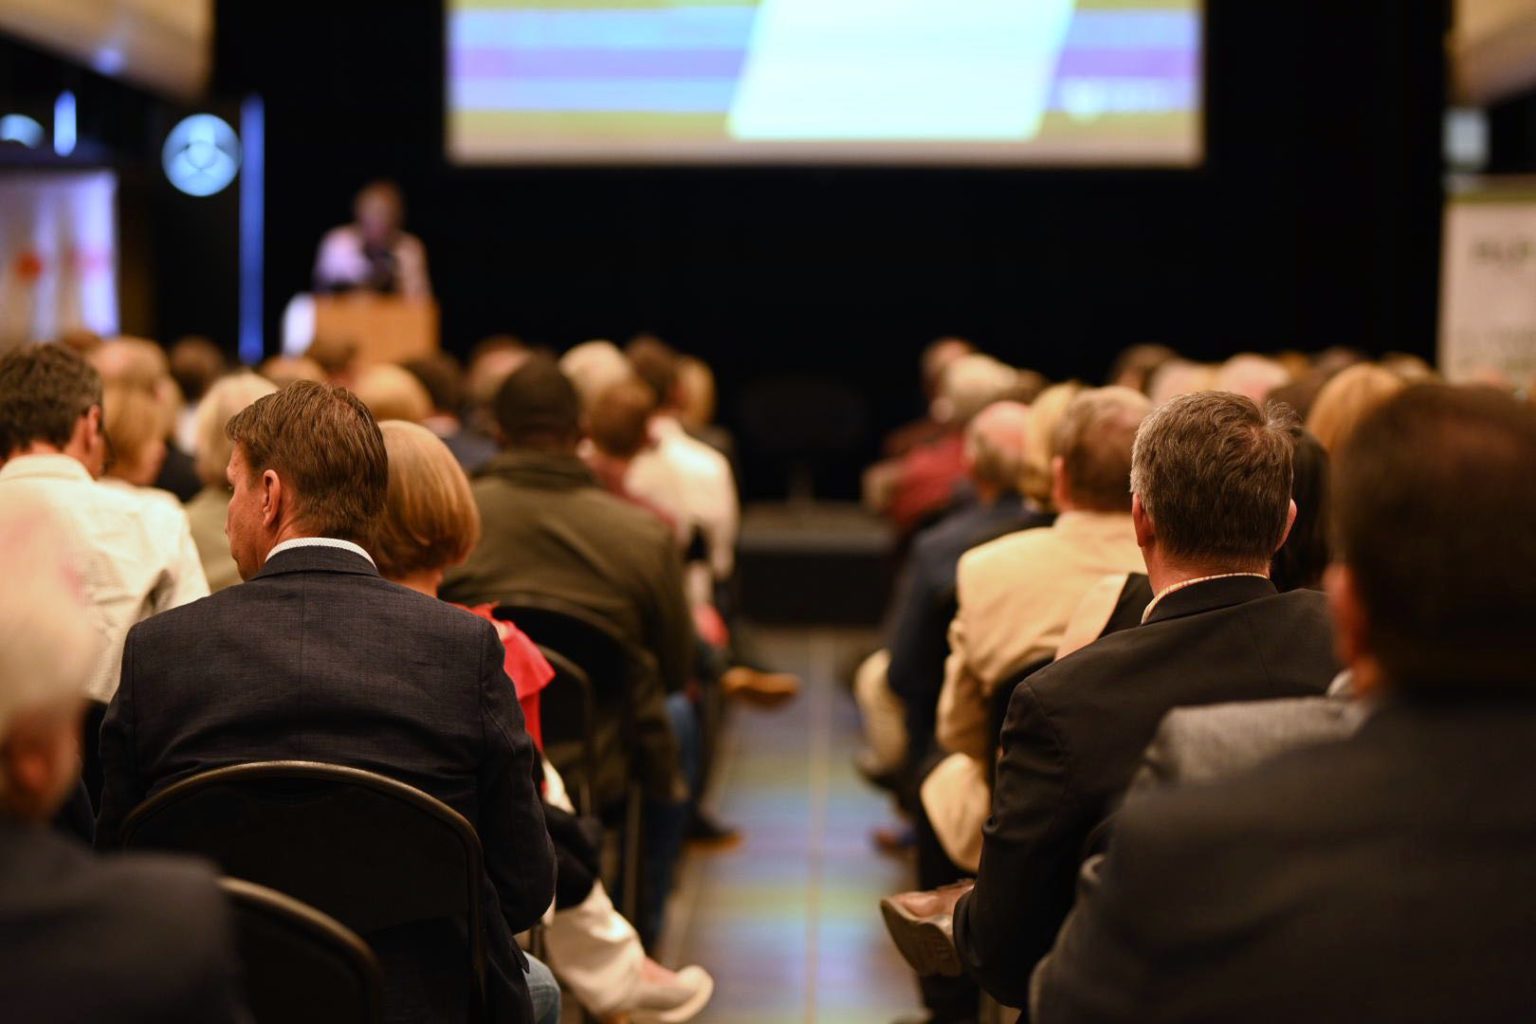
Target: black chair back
(301,966)
(392,863)
(568,722)
(609,664)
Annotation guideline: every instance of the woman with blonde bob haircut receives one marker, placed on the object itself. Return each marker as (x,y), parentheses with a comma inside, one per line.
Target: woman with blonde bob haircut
(430,523)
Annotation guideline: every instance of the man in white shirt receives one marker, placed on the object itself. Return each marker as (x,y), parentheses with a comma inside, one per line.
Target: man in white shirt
(134,551)
(373,253)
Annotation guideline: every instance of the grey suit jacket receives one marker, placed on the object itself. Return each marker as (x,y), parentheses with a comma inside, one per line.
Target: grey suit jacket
(1204,743)
(319,658)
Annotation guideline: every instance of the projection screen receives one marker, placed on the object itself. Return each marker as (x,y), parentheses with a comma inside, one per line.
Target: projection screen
(1013,82)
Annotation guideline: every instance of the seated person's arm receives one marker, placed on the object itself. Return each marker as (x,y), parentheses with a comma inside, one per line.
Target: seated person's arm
(1028,859)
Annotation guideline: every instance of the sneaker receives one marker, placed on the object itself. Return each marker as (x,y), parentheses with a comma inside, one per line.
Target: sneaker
(667,997)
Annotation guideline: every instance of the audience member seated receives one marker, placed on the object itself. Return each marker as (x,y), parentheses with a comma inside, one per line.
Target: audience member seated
(1134,367)
(1252,376)
(1392,870)
(551,530)
(138,363)
(935,359)
(1014,596)
(431,522)
(134,424)
(196,363)
(922,484)
(685,477)
(696,406)
(443,378)
(594,367)
(1211,479)
(284,370)
(618,429)
(316,657)
(1117,602)
(208,511)
(1044,413)
(1346,400)
(392,393)
(899,702)
(146,940)
(136,555)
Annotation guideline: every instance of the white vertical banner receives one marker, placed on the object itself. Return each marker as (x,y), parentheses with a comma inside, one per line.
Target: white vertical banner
(1488,285)
(58,254)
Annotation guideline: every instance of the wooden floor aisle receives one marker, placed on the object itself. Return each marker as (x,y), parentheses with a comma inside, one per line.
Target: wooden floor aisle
(787,922)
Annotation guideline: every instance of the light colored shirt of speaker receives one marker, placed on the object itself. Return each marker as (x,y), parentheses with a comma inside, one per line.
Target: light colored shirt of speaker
(341,263)
(134,552)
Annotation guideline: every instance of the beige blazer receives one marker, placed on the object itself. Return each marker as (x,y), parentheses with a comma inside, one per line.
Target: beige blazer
(1016,595)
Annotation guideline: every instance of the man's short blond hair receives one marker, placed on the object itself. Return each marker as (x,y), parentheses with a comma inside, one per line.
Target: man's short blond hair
(430,518)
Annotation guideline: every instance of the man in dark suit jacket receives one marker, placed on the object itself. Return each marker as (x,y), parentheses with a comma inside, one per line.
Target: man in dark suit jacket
(82,939)
(1211,479)
(1391,875)
(316,657)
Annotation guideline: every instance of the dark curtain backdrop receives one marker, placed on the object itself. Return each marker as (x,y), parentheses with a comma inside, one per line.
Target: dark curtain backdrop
(1314,222)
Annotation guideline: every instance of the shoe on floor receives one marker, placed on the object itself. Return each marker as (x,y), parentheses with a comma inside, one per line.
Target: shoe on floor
(764,689)
(665,997)
(706,831)
(922,926)
(895,840)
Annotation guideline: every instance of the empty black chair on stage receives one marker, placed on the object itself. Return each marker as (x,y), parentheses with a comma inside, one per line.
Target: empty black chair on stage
(301,966)
(395,865)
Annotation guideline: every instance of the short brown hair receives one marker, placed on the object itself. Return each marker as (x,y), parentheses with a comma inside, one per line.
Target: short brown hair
(44,390)
(227,396)
(1093,439)
(1213,472)
(618,422)
(1432,498)
(325,445)
(430,519)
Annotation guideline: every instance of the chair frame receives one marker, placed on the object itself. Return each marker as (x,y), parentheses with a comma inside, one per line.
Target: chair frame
(257,772)
(249,897)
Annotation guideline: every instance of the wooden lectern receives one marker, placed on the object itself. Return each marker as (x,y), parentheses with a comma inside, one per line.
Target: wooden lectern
(385,328)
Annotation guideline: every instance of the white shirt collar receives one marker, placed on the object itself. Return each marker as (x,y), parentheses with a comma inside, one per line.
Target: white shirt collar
(52,465)
(321,542)
(1175,588)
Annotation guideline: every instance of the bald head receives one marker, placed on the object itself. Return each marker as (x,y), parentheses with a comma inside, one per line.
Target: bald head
(996,447)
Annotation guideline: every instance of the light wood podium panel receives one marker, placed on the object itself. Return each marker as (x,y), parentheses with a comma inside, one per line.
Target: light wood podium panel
(385,328)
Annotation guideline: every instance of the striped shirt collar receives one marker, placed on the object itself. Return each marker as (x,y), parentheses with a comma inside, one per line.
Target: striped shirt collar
(321,542)
(1182,584)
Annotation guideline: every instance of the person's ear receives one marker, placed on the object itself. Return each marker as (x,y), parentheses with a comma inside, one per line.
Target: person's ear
(1290,521)
(40,760)
(1059,481)
(1146,535)
(272,498)
(1351,629)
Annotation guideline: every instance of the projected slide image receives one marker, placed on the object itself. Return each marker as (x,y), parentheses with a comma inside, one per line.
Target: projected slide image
(951,81)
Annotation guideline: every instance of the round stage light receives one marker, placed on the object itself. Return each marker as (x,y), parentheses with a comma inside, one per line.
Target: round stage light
(201,155)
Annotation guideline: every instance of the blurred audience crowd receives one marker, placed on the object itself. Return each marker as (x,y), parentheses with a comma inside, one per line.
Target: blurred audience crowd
(1204,694)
